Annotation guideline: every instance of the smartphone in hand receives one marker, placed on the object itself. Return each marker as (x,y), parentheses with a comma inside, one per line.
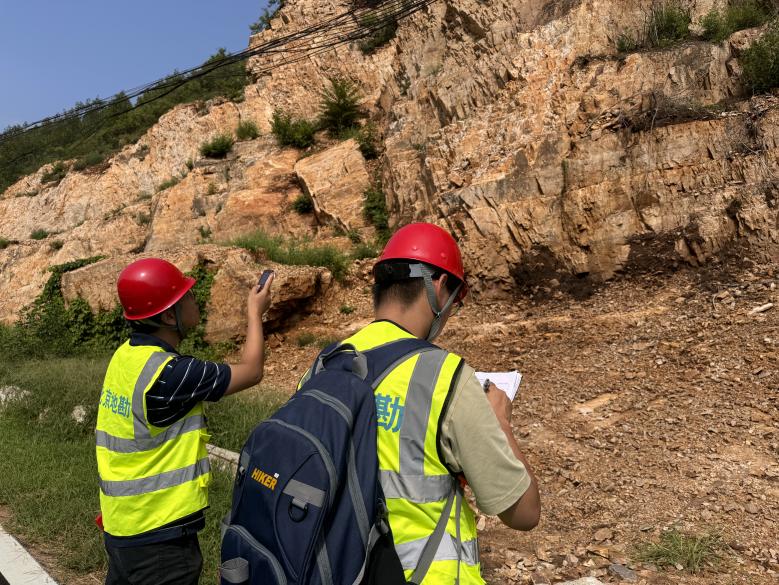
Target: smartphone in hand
(264,278)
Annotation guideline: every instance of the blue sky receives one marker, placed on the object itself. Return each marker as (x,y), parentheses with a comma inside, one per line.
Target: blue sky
(54,53)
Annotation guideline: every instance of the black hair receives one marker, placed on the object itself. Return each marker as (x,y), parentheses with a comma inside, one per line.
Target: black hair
(391,282)
(148,326)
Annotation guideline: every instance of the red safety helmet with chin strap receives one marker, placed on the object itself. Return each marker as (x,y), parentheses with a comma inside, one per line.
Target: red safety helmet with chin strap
(149,286)
(428,243)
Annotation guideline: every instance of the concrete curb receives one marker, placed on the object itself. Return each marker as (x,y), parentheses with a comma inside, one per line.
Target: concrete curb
(222,457)
(17,567)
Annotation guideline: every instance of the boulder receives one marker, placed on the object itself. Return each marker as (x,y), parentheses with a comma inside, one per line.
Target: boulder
(336,179)
(235,272)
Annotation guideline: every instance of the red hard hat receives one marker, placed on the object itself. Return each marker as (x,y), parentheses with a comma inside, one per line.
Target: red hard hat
(428,243)
(147,287)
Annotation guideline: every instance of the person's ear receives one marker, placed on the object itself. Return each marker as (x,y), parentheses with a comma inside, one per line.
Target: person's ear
(168,316)
(440,285)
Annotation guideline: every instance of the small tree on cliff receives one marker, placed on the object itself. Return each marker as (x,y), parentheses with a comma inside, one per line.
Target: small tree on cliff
(339,109)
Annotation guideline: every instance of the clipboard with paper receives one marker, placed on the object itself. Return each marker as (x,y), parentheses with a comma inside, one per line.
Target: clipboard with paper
(508,382)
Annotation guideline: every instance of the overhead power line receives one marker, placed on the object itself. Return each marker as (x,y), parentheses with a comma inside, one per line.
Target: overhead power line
(347,27)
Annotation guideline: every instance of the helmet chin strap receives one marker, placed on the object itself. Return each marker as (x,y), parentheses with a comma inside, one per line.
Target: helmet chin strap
(178,325)
(426,274)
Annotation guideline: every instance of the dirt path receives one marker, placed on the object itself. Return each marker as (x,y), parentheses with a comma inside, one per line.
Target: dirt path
(650,405)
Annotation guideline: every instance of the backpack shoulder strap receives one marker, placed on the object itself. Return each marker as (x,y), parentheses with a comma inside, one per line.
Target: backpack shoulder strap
(383,359)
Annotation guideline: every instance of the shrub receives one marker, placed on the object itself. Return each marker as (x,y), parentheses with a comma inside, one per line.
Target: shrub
(211,188)
(303,203)
(56,245)
(143,218)
(375,210)
(90,160)
(39,234)
(47,327)
(173,181)
(190,164)
(247,130)
(338,106)
(747,14)
(263,22)
(56,174)
(296,252)
(218,146)
(144,196)
(667,24)
(379,35)
(717,25)
(346,310)
(290,132)
(761,61)
(4,243)
(205,232)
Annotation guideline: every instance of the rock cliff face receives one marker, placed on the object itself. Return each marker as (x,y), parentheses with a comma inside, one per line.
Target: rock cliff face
(514,124)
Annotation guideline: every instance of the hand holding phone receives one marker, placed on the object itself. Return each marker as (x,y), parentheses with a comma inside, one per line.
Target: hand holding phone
(260,294)
(263,279)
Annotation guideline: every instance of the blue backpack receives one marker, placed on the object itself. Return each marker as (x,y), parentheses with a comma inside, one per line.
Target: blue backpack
(308,507)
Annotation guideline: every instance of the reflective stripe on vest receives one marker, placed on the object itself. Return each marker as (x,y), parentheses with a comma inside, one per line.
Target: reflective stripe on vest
(415,481)
(119,445)
(149,476)
(153,483)
(409,552)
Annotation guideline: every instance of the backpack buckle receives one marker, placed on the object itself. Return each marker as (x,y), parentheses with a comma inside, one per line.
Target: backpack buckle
(382,514)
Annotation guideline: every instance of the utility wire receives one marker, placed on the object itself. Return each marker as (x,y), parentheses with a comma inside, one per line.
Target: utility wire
(350,26)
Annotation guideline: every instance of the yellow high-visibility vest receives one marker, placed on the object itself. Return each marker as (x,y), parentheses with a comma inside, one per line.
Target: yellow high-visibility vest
(415,480)
(149,476)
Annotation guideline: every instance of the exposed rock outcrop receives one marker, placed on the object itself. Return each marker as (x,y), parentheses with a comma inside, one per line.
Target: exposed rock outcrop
(516,125)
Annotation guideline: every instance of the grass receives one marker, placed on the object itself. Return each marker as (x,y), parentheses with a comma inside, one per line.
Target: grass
(676,549)
(172,182)
(308,338)
(366,139)
(375,210)
(296,252)
(668,23)
(346,310)
(48,472)
(218,147)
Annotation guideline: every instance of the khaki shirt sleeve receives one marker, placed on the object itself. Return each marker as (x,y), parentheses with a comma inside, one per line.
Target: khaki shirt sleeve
(473,443)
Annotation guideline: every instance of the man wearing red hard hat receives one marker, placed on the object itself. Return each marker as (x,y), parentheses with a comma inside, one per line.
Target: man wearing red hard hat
(437,427)
(151,429)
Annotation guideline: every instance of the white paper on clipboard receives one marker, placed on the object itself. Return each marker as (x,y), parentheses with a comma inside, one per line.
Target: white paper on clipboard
(506,381)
